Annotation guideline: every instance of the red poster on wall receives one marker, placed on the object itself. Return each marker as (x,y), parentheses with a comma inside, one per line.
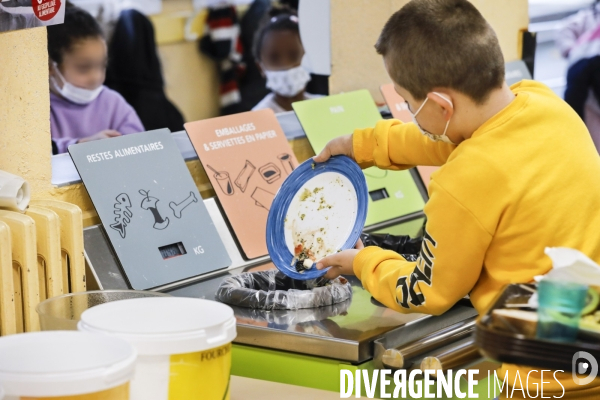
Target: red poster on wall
(24,14)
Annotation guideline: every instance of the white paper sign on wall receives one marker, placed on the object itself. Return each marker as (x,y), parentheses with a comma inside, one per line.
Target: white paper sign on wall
(315,32)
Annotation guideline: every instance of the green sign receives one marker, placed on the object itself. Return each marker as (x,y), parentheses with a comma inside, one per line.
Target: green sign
(392,194)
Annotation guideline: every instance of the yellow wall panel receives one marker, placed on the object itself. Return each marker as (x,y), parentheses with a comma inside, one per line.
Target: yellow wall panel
(356,25)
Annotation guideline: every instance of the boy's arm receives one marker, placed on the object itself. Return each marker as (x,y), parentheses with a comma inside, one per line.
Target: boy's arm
(395,145)
(446,270)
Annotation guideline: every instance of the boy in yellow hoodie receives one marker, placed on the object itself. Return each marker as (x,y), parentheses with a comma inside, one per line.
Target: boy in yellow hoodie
(519,172)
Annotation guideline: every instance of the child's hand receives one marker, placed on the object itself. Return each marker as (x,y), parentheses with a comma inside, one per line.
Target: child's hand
(339,146)
(100,135)
(340,263)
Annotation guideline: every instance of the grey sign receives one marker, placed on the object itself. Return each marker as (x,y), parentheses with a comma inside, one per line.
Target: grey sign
(150,208)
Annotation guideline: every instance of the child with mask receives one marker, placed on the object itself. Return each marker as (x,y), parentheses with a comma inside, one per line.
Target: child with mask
(81,108)
(519,172)
(278,51)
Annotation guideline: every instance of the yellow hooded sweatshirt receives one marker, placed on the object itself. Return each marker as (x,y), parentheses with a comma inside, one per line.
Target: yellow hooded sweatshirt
(528,178)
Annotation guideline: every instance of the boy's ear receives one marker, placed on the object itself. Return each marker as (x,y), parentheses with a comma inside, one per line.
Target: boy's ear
(444,101)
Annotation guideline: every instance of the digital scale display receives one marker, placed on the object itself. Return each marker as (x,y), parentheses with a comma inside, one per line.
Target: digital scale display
(172,250)
(379,194)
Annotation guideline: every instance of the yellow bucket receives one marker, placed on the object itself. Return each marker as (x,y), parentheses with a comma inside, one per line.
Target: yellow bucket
(62,365)
(184,345)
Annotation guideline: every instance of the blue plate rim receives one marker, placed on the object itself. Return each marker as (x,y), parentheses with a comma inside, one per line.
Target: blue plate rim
(278,250)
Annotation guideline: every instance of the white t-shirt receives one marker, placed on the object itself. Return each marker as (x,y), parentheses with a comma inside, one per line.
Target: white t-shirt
(269,102)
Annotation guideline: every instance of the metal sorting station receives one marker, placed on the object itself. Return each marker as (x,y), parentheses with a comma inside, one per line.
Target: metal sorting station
(307,347)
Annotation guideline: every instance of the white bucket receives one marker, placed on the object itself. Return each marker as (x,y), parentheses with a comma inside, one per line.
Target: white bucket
(184,345)
(59,364)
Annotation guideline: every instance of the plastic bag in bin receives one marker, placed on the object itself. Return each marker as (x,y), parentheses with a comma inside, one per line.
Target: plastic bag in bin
(293,317)
(272,290)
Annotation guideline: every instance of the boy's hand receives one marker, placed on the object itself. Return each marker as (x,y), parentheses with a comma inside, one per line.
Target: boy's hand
(340,263)
(339,146)
(100,135)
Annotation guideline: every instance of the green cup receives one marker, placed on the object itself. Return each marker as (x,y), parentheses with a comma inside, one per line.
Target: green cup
(559,310)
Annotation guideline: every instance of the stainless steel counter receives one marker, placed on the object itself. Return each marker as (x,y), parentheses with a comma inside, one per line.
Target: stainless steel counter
(346,331)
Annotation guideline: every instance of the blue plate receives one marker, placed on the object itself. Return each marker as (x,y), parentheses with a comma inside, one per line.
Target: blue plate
(280,254)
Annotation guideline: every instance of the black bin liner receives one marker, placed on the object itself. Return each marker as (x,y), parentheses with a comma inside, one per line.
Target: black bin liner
(406,246)
(272,290)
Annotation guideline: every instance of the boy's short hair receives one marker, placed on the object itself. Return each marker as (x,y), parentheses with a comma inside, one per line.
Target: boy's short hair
(78,25)
(442,43)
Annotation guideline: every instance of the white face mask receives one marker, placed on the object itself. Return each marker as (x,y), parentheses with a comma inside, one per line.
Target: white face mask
(289,82)
(435,138)
(73,93)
